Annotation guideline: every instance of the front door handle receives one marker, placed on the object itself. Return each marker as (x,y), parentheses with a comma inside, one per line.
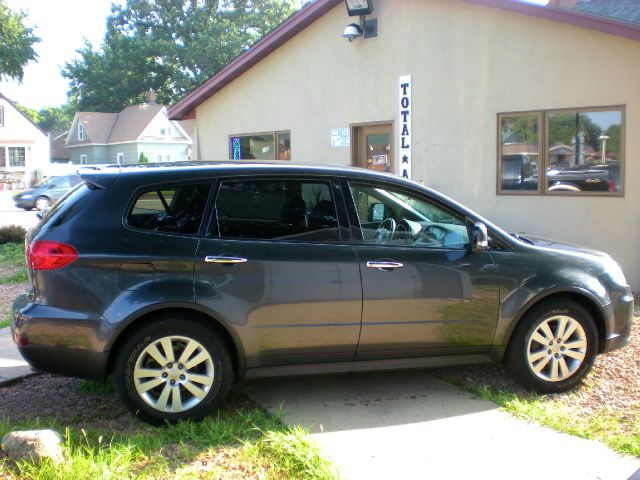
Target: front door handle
(224,259)
(383,265)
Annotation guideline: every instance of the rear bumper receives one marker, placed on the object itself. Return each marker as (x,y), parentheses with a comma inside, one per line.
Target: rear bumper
(25,203)
(61,341)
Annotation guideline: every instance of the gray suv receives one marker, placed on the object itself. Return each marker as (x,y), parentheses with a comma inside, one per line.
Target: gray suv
(179,280)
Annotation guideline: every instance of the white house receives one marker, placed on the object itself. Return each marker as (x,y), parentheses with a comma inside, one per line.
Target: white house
(24,148)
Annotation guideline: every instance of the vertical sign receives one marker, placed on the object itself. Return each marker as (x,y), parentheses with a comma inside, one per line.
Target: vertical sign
(236,153)
(404,141)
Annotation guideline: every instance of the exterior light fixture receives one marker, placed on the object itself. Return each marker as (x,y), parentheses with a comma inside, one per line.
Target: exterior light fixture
(357,8)
(366,28)
(352,31)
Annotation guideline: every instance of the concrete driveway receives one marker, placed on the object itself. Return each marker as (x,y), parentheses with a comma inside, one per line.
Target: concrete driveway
(410,425)
(10,215)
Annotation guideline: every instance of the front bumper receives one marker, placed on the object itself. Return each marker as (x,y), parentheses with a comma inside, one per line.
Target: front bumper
(621,312)
(24,203)
(60,341)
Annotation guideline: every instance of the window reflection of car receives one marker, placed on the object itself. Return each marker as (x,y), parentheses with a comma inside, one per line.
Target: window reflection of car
(582,178)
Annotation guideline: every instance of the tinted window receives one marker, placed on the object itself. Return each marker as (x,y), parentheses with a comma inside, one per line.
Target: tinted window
(294,210)
(170,209)
(391,217)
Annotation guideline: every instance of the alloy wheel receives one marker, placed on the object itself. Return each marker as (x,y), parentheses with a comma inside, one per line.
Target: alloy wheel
(173,374)
(556,348)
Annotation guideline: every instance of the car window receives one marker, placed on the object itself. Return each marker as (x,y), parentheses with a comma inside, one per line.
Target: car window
(177,209)
(292,210)
(394,217)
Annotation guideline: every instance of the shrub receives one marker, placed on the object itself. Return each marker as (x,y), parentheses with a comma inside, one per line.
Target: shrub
(12,234)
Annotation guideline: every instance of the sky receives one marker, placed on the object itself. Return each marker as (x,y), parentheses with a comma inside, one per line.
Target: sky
(62,25)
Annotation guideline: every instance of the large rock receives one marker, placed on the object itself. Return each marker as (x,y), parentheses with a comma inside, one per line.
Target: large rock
(33,444)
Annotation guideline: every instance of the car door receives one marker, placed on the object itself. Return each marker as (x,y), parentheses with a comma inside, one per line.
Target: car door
(278,268)
(424,291)
(59,187)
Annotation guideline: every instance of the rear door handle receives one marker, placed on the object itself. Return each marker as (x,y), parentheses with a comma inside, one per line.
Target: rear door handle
(224,259)
(384,264)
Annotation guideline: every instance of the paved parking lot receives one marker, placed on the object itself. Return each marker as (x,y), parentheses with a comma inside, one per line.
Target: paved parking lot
(10,215)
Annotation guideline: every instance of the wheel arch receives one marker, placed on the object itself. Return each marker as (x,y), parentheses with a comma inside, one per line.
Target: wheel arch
(583,298)
(146,317)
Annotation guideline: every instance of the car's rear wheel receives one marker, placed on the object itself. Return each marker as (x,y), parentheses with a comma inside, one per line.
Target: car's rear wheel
(553,347)
(42,203)
(173,369)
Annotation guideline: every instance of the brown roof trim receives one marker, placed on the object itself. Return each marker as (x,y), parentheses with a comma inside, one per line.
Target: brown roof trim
(185,108)
(563,15)
(270,42)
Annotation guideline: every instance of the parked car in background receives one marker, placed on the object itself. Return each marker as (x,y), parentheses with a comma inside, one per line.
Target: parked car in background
(179,280)
(46,193)
(518,173)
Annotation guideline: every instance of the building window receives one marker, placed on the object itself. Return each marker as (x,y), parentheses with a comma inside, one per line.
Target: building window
(120,158)
(1,116)
(83,159)
(163,132)
(3,157)
(80,131)
(16,156)
(571,151)
(261,146)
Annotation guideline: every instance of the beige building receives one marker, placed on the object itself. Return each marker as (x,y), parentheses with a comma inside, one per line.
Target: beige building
(524,113)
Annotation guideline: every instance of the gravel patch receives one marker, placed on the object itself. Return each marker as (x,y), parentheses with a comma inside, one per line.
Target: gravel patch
(8,294)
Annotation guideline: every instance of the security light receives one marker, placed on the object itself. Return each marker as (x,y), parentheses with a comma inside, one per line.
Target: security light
(356,8)
(352,31)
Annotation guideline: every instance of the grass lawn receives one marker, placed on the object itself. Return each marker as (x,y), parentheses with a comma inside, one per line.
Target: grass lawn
(238,441)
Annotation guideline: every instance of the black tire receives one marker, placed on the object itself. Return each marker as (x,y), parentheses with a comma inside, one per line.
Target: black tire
(526,346)
(134,355)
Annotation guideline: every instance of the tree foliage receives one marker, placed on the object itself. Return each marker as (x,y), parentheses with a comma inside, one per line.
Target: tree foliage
(170,46)
(49,119)
(16,43)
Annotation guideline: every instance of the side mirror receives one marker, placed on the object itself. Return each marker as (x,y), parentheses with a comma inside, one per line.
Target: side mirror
(40,214)
(479,238)
(52,185)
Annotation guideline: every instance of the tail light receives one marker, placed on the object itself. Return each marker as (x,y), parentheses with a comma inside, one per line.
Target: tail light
(44,255)
(612,185)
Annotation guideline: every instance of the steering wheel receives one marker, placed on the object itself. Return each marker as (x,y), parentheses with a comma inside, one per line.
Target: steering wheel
(385,230)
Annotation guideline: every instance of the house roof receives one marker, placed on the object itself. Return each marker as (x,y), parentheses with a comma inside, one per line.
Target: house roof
(314,10)
(132,121)
(125,126)
(58,139)
(97,125)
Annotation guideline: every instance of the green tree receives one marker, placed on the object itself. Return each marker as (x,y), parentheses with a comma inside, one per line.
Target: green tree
(56,118)
(563,128)
(16,43)
(30,113)
(142,158)
(170,46)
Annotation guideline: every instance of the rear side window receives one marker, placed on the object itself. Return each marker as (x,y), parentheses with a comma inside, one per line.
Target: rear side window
(177,209)
(292,210)
(70,204)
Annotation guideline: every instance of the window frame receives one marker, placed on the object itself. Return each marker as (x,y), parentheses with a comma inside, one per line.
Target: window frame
(543,145)
(83,159)
(9,159)
(120,158)
(356,222)
(81,132)
(1,115)
(206,213)
(344,231)
(274,142)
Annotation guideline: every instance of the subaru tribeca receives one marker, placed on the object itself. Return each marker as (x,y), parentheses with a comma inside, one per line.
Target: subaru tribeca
(177,280)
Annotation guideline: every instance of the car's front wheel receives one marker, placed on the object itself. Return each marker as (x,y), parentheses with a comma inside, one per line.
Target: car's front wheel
(553,347)
(42,203)
(173,369)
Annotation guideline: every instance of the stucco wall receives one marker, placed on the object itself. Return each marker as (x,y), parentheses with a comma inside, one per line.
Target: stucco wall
(468,63)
